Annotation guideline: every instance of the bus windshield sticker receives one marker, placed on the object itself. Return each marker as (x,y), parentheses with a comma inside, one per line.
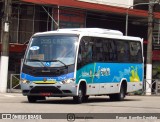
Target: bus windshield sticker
(34,48)
(48,64)
(37,56)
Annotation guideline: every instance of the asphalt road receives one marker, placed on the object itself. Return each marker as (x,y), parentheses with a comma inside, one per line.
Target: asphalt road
(16,103)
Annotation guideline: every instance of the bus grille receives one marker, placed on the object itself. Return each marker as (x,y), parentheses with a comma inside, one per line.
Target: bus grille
(45,89)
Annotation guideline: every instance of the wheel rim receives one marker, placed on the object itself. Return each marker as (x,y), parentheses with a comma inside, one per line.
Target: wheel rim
(122,93)
(80,94)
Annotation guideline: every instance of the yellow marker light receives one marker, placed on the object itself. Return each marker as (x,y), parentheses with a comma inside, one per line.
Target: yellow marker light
(44,82)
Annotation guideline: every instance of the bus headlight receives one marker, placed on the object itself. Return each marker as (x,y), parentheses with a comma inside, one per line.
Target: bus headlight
(67,81)
(24,81)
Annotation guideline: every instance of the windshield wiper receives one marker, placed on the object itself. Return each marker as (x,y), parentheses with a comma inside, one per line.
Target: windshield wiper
(55,60)
(41,61)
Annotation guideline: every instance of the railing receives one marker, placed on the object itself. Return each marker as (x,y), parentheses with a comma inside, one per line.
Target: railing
(154,86)
(14,83)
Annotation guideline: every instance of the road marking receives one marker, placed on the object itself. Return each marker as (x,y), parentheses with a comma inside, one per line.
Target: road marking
(10,95)
(6,95)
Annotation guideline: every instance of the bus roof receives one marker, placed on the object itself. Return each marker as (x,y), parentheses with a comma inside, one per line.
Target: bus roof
(84,30)
(91,31)
(94,30)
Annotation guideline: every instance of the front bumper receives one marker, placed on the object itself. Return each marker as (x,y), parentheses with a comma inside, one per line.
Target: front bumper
(50,90)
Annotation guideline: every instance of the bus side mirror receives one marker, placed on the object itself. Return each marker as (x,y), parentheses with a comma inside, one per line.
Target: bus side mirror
(22,60)
(79,58)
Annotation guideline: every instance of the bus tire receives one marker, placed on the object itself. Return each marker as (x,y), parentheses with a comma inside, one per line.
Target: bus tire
(119,96)
(85,99)
(112,97)
(33,99)
(79,99)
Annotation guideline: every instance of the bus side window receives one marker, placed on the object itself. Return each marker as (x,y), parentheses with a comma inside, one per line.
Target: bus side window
(135,52)
(79,55)
(123,51)
(98,49)
(105,51)
(79,59)
(112,51)
(85,51)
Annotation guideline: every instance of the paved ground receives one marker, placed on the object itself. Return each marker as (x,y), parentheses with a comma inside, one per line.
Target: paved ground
(16,103)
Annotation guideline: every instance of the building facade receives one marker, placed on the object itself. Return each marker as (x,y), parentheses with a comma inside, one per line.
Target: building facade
(31,16)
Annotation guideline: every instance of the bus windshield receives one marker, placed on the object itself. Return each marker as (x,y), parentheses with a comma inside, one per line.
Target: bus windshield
(51,51)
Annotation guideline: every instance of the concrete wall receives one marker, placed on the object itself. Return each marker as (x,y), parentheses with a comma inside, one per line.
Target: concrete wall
(118,3)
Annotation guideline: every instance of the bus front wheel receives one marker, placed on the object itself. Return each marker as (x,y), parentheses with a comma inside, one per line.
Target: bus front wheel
(79,99)
(33,99)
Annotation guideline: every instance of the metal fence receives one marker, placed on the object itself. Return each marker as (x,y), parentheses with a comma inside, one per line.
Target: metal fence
(154,86)
(14,85)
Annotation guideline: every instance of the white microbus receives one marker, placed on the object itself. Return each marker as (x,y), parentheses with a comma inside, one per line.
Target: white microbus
(82,62)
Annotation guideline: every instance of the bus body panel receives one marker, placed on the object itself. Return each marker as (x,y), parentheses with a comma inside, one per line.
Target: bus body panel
(105,78)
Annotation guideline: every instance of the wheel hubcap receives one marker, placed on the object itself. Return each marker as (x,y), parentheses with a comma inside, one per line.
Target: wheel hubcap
(80,94)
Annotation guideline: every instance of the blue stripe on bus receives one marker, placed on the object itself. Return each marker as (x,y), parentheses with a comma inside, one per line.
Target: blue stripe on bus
(59,78)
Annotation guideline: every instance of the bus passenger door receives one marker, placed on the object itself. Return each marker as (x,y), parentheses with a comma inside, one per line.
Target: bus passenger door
(101,78)
(86,66)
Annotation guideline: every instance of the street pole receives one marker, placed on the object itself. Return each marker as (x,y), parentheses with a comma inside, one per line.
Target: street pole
(149,49)
(5,46)
(126,31)
(138,4)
